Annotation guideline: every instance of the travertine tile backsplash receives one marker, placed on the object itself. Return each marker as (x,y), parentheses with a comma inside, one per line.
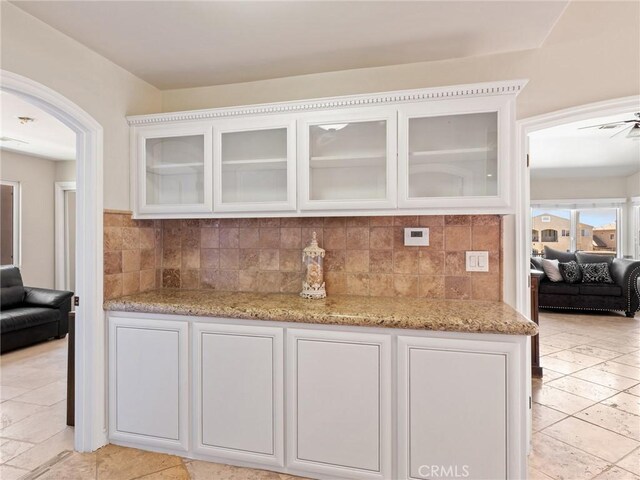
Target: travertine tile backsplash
(365,255)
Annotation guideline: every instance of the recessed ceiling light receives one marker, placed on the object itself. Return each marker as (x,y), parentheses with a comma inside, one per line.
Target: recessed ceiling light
(26,120)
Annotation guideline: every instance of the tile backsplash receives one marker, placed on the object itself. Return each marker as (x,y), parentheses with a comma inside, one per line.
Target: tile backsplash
(365,255)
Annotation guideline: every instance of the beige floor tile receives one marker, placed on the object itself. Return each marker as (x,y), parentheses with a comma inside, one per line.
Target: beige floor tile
(119,463)
(613,346)
(574,338)
(543,416)
(47,395)
(559,365)
(592,439)
(594,351)
(206,471)
(11,473)
(12,448)
(7,392)
(11,412)
(178,472)
(634,390)
(75,467)
(624,401)
(30,377)
(538,475)
(39,426)
(548,349)
(549,375)
(631,462)
(585,389)
(632,359)
(562,461)
(42,452)
(557,342)
(576,358)
(620,369)
(616,473)
(611,380)
(560,400)
(613,419)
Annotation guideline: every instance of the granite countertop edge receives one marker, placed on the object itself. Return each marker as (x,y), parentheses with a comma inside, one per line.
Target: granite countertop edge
(416,314)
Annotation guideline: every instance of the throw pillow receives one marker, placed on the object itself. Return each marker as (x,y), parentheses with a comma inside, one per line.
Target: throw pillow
(570,272)
(595,273)
(553,254)
(551,270)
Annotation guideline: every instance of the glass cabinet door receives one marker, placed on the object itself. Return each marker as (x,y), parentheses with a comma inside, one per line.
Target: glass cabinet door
(254,165)
(450,159)
(176,167)
(348,161)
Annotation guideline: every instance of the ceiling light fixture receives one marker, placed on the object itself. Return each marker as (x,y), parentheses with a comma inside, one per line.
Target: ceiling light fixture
(26,120)
(333,126)
(634,132)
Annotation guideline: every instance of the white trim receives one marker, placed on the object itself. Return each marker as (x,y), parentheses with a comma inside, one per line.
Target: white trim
(438,93)
(524,128)
(61,260)
(581,203)
(17,221)
(90,415)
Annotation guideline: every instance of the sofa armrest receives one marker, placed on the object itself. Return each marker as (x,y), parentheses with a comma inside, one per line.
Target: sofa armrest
(626,273)
(44,297)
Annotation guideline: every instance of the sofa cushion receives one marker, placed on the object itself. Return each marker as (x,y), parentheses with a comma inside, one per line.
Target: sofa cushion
(11,288)
(559,255)
(559,288)
(26,317)
(584,257)
(604,289)
(595,273)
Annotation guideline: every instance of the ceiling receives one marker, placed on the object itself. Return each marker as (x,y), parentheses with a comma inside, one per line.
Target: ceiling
(567,151)
(45,137)
(177,44)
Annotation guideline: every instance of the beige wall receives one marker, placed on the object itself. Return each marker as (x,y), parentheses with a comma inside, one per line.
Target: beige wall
(592,54)
(107,92)
(66,171)
(573,188)
(36,177)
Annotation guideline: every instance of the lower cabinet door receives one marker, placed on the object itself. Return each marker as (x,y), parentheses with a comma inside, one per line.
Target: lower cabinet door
(452,407)
(238,392)
(149,381)
(338,410)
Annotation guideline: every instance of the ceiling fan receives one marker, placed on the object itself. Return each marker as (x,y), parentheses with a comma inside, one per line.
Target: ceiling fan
(632,125)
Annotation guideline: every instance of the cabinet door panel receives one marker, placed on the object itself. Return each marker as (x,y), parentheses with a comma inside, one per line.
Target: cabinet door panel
(148,381)
(238,376)
(340,403)
(455,406)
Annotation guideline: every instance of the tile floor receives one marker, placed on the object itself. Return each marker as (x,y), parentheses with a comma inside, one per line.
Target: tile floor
(586,413)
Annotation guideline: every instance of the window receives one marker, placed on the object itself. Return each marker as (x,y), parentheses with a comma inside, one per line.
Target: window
(584,232)
(612,236)
(600,227)
(10,218)
(566,233)
(535,236)
(546,219)
(551,226)
(549,236)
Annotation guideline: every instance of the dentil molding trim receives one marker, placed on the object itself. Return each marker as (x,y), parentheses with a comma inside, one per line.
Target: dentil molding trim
(510,87)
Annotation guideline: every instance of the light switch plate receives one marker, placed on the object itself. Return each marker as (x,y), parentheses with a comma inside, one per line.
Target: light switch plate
(477,261)
(416,237)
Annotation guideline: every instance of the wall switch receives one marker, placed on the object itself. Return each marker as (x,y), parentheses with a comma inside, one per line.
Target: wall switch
(477,261)
(416,237)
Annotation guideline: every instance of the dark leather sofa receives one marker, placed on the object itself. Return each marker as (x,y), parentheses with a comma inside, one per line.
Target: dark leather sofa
(622,295)
(30,315)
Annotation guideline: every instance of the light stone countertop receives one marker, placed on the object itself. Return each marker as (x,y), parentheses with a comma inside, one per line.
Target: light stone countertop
(411,313)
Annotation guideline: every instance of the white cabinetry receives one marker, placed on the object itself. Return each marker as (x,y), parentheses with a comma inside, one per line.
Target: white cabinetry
(255,164)
(173,168)
(443,384)
(348,159)
(149,382)
(238,392)
(339,403)
(455,153)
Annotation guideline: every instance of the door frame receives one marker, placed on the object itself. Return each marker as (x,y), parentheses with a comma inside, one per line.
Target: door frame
(17,221)
(90,365)
(524,128)
(59,232)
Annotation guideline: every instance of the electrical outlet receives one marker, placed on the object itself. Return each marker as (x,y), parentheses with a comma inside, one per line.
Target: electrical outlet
(416,237)
(477,261)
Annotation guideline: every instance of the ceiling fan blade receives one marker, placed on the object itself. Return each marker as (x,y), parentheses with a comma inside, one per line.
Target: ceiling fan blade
(607,124)
(623,130)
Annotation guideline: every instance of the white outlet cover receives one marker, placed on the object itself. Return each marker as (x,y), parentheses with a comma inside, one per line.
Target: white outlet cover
(416,237)
(477,261)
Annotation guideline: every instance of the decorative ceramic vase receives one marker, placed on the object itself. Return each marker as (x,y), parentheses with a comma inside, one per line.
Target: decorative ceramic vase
(313,258)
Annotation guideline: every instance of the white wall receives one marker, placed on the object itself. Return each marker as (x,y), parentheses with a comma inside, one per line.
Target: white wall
(66,171)
(36,176)
(569,188)
(104,90)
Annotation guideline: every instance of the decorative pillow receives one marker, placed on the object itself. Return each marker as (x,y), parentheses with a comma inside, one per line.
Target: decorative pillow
(571,272)
(553,254)
(595,273)
(551,270)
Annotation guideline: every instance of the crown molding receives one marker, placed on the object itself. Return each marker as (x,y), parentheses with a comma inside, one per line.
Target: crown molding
(511,87)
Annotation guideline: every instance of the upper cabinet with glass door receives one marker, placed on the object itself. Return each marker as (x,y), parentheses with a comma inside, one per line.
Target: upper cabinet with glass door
(255,165)
(347,160)
(454,153)
(174,169)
